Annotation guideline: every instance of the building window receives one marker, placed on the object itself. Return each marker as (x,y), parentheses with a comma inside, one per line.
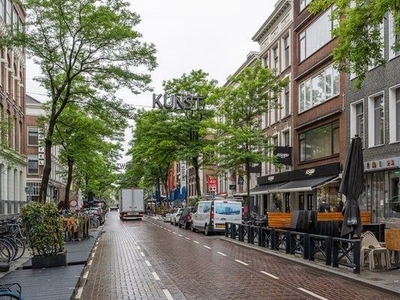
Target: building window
(33,164)
(286,138)
(286,52)
(9,9)
(316,36)
(33,136)
(265,61)
(319,142)
(304,3)
(287,101)
(377,121)
(360,121)
(275,58)
(357,120)
(2,10)
(394,114)
(319,88)
(393,38)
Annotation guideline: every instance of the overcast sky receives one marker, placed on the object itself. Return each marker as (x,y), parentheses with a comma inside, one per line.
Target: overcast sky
(212,35)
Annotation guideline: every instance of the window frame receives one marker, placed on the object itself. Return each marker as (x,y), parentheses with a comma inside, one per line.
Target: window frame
(334,145)
(372,112)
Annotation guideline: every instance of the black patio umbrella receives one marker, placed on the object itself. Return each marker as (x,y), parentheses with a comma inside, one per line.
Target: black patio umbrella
(352,186)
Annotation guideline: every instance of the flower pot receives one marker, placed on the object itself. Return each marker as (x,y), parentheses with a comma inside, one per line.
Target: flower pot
(50,261)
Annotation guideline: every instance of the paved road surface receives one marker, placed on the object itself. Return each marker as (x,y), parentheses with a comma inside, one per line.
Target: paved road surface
(150,259)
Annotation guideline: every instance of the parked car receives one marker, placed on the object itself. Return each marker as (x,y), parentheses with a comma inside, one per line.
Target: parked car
(166,217)
(210,216)
(175,216)
(185,220)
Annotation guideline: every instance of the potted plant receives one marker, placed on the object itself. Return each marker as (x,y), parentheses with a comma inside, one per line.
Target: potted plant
(45,233)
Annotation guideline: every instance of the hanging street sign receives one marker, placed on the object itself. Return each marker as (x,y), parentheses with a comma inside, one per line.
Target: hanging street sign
(177,102)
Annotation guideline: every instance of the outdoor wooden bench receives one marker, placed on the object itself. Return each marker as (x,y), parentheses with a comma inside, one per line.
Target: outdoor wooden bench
(282,220)
(337,216)
(279,220)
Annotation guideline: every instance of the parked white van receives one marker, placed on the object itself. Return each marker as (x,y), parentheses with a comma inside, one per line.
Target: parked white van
(210,216)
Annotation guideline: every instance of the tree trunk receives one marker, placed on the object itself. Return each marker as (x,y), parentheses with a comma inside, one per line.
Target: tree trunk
(46,171)
(69,182)
(248,187)
(195,162)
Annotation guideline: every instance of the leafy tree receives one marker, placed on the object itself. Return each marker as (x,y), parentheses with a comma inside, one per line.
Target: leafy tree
(86,146)
(86,50)
(359,42)
(152,149)
(240,105)
(188,128)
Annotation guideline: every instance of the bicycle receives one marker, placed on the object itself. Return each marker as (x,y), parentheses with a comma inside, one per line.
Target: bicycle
(10,291)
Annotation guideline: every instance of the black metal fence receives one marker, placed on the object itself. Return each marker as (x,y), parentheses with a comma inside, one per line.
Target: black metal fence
(334,251)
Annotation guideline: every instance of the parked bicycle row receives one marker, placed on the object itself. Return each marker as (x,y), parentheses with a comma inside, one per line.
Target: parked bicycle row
(12,240)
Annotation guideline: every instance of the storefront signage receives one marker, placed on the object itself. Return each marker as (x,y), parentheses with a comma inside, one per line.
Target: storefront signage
(211,184)
(310,172)
(177,102)
(381,164)
(284,155)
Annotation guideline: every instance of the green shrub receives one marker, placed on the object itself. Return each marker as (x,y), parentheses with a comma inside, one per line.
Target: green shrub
(44,228)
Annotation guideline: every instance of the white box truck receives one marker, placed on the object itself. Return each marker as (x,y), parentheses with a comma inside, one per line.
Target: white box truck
(131,204)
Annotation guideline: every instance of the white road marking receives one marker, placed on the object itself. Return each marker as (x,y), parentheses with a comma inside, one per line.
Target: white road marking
(205,246)
(223,254)
(174,232)
(187,238)
(241,262)
(196,242)
(142,254)
(169,230)
(156,276)
(270,275)
(148,263)
(313,294)
(180,235)
(138,247)
(168,294)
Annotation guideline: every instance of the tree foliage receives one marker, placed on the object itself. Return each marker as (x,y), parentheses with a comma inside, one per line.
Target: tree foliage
(86,51)
(359,41)
(89,150)
(152,151)
(240,105)
(189,128)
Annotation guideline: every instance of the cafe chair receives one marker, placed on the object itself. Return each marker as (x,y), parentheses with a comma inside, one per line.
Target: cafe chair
(374,251)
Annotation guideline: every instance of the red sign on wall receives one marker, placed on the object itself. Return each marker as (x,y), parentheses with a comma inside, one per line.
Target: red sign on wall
(211,184)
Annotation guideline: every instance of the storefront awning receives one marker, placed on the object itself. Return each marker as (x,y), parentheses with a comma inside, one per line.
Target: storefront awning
(265,189)
(301,185)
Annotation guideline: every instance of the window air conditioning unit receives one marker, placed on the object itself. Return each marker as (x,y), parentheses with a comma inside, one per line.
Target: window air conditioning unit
(41,156)
(41,149)
(41,162)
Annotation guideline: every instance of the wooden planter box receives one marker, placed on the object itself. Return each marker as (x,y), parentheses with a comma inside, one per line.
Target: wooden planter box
(51,261)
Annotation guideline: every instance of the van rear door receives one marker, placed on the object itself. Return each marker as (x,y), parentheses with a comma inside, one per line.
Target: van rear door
(227,211)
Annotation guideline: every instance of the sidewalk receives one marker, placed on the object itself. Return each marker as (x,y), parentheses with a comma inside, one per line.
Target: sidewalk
(53,283)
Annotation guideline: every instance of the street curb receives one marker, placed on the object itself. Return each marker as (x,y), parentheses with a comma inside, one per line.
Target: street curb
(85,272)
(313,264)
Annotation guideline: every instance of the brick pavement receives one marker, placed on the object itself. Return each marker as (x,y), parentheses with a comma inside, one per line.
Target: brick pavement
(120,271)
(141,283)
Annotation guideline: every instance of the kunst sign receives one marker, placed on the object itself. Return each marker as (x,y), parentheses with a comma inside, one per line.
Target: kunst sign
(177,102)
